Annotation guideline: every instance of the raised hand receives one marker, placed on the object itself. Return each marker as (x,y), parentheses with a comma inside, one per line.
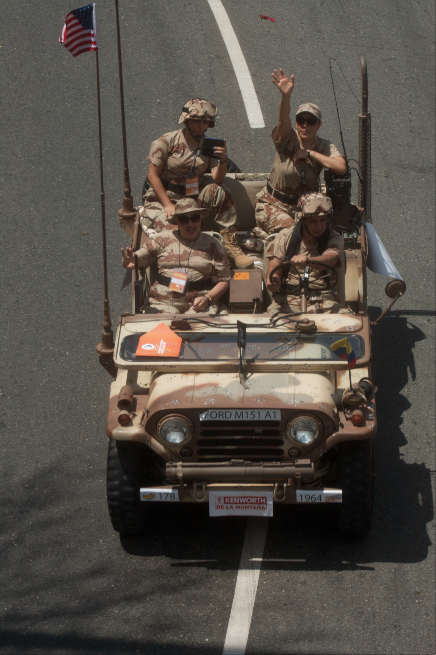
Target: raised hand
(128,260)
(283,83)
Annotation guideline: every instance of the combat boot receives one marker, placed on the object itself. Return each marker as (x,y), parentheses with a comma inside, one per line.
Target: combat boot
(234,254)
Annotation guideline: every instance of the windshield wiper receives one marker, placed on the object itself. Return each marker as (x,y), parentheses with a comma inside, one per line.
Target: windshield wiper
(242,342)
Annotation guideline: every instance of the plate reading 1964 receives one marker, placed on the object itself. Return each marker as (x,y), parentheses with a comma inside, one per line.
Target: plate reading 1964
(241,415)
(313,496)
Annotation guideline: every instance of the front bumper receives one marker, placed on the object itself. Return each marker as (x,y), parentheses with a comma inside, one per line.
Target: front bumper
(235,471)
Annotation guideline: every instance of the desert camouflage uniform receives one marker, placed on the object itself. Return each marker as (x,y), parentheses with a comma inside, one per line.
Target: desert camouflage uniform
(292,304)
(292,179)
(207,260)
(173,153)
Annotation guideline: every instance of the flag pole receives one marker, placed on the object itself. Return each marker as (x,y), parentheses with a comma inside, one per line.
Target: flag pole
(106,347)
(127,211)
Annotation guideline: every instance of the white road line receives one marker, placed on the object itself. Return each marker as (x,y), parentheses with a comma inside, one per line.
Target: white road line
(246,586)
(243,76)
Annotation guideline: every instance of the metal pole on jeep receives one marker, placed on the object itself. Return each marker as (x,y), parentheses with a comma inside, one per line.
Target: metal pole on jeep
(105,348)
(127,212)
(365,146)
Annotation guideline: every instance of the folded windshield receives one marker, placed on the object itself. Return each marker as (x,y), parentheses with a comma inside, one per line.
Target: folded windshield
(260,347)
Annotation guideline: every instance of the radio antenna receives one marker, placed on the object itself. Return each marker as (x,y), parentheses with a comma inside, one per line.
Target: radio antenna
(337,111)
(127,211)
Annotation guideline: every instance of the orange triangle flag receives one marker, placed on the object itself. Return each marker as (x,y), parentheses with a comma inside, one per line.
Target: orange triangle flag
(159,342)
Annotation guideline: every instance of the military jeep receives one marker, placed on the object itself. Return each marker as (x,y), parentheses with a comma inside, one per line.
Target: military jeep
(256,409)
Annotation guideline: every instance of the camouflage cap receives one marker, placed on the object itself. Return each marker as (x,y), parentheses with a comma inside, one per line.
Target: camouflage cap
(186,206)
(310,108)
(315,203)
(197,108)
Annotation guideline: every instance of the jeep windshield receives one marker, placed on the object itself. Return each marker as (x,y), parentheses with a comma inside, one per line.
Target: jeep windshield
(260,347)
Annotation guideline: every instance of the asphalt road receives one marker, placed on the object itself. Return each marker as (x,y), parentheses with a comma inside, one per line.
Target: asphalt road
(69,584)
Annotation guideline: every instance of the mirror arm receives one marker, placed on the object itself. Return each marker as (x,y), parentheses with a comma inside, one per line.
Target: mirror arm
(375,323)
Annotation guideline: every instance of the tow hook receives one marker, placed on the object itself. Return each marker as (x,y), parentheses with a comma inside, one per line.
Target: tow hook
(280,491)
(203,489)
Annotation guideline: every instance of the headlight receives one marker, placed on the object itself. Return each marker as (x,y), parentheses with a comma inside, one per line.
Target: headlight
(303,430)
(174,429)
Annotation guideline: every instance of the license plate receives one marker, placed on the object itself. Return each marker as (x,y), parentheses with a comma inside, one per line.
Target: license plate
(242,415)
(325,496)
(240,503)
(157,494)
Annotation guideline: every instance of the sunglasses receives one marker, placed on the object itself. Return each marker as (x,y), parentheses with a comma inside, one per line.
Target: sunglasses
(184,220)
(310,121)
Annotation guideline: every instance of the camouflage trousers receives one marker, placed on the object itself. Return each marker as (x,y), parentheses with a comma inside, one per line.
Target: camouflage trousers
(292,305)
(271,215)
(163,301)
(215,198)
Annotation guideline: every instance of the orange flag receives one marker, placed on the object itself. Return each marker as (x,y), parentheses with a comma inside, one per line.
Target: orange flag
(161,341)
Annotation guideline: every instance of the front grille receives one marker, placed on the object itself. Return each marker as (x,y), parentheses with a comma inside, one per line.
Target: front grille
(252,444)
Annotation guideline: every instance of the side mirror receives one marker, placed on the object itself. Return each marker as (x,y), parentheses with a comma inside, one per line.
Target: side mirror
(395,288)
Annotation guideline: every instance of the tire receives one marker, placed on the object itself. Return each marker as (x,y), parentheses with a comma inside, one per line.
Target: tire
(125,461)
(355,478)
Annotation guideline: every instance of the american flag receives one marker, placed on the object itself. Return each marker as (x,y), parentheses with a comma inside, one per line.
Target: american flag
(79,33)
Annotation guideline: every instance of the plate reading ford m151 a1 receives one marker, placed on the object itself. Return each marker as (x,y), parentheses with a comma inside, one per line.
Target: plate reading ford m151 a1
(241,415)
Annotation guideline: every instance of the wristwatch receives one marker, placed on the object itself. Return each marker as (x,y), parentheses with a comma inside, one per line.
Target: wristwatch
(308,153)
(208,298)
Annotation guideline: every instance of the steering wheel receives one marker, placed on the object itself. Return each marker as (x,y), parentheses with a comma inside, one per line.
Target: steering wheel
(328,277)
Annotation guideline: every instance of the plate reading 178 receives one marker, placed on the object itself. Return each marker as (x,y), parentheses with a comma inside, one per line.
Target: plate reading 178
(159,494)
(241,415)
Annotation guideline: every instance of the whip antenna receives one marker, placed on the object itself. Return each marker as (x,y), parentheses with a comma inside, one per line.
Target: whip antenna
(337,111)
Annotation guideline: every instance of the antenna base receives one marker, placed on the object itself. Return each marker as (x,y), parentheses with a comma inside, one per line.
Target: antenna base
(127,213)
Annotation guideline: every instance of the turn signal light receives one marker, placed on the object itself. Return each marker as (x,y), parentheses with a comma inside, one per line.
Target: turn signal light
(124,417)
(356,417)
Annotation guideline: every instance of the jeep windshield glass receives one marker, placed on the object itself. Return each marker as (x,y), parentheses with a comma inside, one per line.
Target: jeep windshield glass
(260,347)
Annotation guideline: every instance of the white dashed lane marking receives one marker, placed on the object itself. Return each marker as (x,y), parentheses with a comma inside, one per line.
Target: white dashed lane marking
(243,76)
(246,587)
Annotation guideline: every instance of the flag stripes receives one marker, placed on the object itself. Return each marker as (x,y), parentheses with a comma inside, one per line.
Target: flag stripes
(79,33)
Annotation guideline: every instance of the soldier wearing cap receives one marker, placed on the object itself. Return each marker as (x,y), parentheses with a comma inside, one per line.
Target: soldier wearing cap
(177,169)
(300,157)
(193,271)
(309,240)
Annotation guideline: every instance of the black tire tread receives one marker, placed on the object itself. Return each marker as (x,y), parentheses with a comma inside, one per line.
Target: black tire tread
(124,466)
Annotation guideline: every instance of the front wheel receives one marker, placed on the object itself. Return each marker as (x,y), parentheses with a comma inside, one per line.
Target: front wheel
(356,479)
(125,462)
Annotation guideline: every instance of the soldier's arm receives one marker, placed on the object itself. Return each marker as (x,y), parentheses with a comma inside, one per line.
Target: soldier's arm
(337,165)
(285,86)
(154,175)
(202,302)
(273,283)
(220,171)
(329,257)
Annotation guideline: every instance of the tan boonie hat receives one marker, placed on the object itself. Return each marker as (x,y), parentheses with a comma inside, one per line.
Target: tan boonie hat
(197,108)
(310,109)
(315,203)
(186,206)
